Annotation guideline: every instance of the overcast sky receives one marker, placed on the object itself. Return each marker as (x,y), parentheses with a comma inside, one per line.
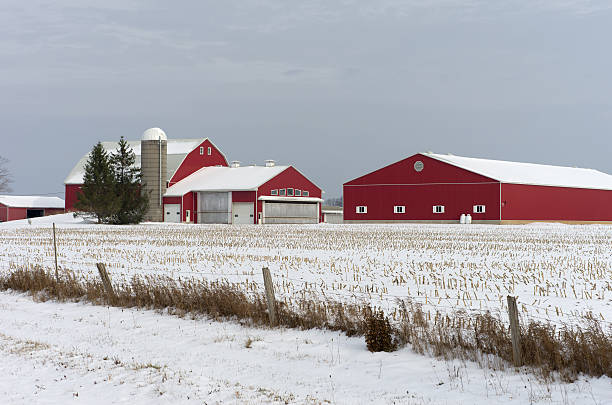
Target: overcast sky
(336,88)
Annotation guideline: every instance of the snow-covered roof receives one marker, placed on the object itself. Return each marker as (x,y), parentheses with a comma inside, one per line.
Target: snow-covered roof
(530,173)
(31,201)
(219,178)
(177,150)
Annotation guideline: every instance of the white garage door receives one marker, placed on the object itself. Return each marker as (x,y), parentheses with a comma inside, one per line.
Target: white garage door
(291,213)
(242,213)
(172,213)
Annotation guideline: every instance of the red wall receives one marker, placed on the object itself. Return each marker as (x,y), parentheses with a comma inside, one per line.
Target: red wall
(194,161)
(288,178)
(524,202)
(70,195)
(12,213)
(434,171)
(438,183)
(54,211)
(419,201)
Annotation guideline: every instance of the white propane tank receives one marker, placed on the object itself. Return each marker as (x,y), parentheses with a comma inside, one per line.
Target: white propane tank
(462,219)
(468,219)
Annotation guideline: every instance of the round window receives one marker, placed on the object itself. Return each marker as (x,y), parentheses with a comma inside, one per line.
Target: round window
(418,166)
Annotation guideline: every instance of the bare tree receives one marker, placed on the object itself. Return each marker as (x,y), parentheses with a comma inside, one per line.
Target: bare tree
(5,175)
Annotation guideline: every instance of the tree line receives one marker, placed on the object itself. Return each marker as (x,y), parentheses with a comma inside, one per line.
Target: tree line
(112,190)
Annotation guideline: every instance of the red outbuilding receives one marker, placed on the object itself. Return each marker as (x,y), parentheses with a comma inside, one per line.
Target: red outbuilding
(429,187)
(184,156)
(269,194)
(13,207)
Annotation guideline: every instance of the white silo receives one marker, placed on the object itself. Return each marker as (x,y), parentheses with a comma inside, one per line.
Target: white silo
(153,163)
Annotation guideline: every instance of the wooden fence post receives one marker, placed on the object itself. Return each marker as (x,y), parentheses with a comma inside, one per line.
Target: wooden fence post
(106,282)
(515,332)
(55,252)
(270,296)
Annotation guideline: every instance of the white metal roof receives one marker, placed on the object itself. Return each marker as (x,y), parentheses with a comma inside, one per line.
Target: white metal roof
(177,150)
(530,173)
(246,178)
(31,201)
(154,134)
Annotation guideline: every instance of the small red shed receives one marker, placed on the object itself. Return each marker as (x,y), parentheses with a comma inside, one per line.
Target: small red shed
(269,194)
(429,187)
(13,207)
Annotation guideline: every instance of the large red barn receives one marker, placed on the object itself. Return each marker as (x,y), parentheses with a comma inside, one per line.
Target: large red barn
(269,194)
(184,156)
(429,187)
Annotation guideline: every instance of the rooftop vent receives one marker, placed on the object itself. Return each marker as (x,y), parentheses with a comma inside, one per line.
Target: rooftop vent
(270,163)
(235,163)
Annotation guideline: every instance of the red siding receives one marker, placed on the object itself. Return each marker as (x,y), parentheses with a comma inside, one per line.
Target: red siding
(525,203)
(434,171)
(419,201)
(4,213)
(54,211)
(289,178)
(70,197)
(439,183)
(194,161)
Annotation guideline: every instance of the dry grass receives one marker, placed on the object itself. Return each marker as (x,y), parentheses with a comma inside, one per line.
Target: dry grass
(551,351)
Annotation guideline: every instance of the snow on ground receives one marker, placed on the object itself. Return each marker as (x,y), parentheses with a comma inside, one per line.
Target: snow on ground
(559,272)
(79,353)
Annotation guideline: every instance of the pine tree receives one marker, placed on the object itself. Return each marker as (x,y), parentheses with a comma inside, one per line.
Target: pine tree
(98,197)
(132,203)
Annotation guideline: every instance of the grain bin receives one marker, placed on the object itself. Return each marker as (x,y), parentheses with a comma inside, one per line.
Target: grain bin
(154,157)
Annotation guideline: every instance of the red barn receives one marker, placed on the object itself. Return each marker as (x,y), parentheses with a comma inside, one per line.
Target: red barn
(184,157)
(429,187)
(269,194)
(13,207)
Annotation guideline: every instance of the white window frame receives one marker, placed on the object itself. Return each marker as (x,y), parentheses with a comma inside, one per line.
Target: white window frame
(282,191)
(399,209)
(209,151)
(274,192)
(477,207)
(290,193)
(438,209)
(361,209)
(201,150)
(305,193)
(297,192)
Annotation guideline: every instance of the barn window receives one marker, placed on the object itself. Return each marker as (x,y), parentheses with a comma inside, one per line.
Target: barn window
(209,151)
(298,192)
(399,209)
(201,150)
(361,209)
(479,209)
(290,192)
(273,192)
(281,191)
(438,209)
(305,193)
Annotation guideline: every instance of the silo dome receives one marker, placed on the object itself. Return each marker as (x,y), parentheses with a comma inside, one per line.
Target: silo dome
(154,134)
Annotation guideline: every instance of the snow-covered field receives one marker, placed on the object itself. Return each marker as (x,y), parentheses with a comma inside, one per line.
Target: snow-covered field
(558,272)
(54,353)
(79,353)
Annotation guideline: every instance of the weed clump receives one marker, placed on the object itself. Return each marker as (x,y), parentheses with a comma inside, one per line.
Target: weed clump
(378,335)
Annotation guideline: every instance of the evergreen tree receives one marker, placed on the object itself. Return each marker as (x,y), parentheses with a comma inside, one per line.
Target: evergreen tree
(132,203)
(98,197)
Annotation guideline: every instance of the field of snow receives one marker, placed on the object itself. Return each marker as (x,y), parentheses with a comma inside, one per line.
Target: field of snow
(59,352)
(558,272)
(79,353)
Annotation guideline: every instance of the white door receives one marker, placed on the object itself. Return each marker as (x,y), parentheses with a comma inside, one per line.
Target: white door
(242,213)
(172,213)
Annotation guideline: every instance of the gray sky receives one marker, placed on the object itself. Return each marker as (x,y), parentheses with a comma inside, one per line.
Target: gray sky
(336,88)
